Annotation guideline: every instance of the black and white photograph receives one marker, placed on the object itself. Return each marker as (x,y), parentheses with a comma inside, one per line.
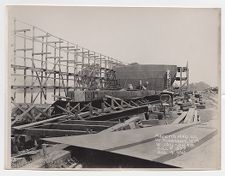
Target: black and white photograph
(113,88)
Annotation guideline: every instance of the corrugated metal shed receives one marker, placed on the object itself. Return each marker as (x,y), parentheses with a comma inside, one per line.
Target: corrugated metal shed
(154,74)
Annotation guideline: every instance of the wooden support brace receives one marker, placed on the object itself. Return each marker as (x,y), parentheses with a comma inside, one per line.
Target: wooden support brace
(53,42)
(107,104)
(76,49)
(72,61)
(22,30)
(67,126)
(22,115)
(44,111)
(118,104)
(91,110)
(21,109)
(70,113)
(74,108)
(41,53)
(20,127)
(91,122)
(41,36)
(140,102)
(65,110)
(124,102)
(124,124)
(82,52)
(67,47)
(135,104)
(121,113)
(24,49)
(85,106)
(54,57)
(62,97)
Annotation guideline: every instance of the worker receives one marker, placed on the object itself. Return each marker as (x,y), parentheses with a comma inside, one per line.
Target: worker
(130,87)
(146,85)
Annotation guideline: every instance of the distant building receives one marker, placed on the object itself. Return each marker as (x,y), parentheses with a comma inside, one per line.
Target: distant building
(151,77)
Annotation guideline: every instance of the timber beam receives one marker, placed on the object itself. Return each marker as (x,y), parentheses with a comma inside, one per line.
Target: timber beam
(89,122)
(116,115)
(73,126)
(52,132)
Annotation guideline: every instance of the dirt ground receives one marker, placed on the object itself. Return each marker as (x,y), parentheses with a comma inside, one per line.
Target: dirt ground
(212,109)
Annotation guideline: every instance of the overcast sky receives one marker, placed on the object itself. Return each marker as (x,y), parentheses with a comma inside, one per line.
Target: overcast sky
(143,35)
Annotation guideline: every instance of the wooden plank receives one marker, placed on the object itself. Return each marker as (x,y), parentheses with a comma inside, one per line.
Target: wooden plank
(75,49)
(53,57)
(180,118)
(73,126)
(20,127)
(89,122)
(41,53)
(67,47)
(190,116)
(121,114)
(52,132)
(53,42)
(125,124)
(151,122)
(22,30)
(24,49)
(41,36)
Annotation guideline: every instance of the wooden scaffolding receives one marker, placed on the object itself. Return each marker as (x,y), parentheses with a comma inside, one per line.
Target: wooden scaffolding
(183,78)
(44,66)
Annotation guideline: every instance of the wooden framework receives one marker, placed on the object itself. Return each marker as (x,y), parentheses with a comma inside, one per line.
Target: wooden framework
(183,78)
(94,116)
(44,65)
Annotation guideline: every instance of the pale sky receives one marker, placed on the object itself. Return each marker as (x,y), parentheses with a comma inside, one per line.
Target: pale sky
(143,35)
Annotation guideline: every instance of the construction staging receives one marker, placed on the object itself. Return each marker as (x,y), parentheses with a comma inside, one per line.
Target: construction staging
(75,108)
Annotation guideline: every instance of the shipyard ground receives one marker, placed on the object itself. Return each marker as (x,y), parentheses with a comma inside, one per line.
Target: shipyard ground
(136,148)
